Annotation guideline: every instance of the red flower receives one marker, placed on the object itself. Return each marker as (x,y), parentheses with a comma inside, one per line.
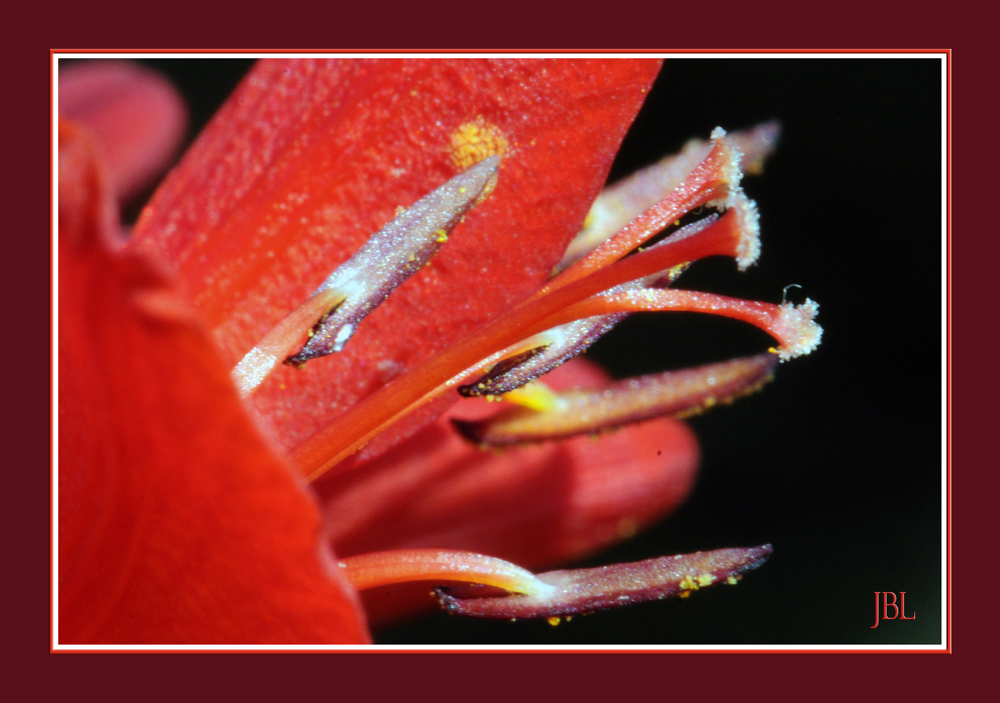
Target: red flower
(181,517)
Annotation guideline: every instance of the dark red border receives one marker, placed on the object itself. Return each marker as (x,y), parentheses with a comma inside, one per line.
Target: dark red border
(598,676)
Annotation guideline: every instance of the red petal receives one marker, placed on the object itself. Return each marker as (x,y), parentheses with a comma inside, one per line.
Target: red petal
(310,157)
(137,115)
(437,490)
(177,524)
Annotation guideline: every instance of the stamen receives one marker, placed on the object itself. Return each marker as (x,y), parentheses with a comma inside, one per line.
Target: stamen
(586,590)
(393,254)
(364,281)
(260,361)
(678,393)
(401,566)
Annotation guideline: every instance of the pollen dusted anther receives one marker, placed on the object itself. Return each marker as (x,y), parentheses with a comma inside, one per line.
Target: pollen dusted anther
(581,591)
(392,255)
(328,319)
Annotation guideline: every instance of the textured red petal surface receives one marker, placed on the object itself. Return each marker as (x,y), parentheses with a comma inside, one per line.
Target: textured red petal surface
(309,158)
(177,524)
(535,506)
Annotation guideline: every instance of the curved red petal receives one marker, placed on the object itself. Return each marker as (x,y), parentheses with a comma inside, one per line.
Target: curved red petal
(177,523)
(535,506)
(136,114)
(311,157)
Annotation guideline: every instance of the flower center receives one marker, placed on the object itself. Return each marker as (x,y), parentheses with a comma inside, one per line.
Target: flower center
(559,321)
(599,284)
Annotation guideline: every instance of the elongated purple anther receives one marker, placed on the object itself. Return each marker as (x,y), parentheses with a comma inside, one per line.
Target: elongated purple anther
(392,255)
(580,411)
(586,590)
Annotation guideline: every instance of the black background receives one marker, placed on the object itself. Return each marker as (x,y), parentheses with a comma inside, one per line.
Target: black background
(837,463)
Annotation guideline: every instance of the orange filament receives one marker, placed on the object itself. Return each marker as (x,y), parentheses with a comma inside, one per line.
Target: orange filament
(283,338)
(401,566)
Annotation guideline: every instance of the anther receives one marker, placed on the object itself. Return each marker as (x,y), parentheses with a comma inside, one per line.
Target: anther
(575,412)
(328,319)
(392,255)
(586,590)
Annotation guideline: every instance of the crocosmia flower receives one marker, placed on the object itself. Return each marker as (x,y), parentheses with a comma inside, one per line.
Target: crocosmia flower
(333,367)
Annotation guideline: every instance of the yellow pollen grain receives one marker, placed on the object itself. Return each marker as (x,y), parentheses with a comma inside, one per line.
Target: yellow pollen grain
(731,580)
(705,579)
(554,621)
(689,584)
(535,395)
(442,236)
(475,141)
